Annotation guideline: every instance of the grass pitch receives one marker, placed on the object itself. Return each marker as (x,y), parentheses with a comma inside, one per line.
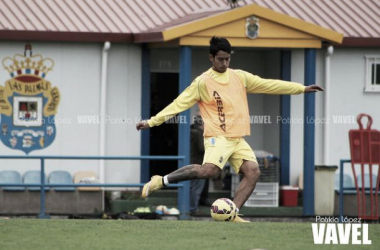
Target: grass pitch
(33,234)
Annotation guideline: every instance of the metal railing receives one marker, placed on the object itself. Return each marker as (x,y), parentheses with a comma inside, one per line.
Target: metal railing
(42,185)
(341,189)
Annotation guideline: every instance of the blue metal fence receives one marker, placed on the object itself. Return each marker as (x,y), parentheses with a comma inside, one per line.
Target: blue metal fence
(341,189)
(42,185)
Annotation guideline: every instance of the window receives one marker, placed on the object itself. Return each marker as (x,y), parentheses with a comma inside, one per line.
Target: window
(372,74)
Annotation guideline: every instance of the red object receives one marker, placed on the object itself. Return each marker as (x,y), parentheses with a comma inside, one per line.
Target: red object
(365,150)
(288,196)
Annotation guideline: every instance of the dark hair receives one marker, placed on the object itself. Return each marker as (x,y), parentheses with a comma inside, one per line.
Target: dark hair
(219,43)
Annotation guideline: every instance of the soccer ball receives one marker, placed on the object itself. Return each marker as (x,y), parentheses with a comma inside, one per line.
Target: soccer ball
(223,209)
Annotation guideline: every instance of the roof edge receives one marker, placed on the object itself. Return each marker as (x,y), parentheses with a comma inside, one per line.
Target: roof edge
(253,9)
(54,36)
(360,42)
(148,37)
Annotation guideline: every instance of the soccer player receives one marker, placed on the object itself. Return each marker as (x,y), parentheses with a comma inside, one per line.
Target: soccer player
(221,94)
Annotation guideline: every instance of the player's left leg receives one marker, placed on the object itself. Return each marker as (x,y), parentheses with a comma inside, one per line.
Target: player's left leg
(243,160)
(251,174)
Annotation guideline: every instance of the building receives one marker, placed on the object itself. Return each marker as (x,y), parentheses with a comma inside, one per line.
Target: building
(149,46)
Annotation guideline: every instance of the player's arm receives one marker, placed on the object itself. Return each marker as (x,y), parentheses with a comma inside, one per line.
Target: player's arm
(184,101)
(313,88)
(256,84)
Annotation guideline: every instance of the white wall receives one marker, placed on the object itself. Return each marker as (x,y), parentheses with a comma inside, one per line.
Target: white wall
(124,110)
(296,118)
(272,70)
(319,107)
(348,98)
(77,74)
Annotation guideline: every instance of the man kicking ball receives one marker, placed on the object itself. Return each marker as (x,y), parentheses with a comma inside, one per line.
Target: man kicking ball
(221,94)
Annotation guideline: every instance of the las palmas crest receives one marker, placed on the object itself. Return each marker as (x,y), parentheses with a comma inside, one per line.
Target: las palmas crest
(28,103)
(252,27)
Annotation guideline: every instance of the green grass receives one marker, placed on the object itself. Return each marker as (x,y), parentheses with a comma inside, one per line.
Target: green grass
(33,234)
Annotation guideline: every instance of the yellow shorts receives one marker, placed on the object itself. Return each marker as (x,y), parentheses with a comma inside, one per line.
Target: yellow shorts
(219,150)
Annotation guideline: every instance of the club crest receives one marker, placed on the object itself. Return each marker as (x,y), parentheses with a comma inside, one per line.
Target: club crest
(252,27)
(212,140)
(221,159)
(28,103)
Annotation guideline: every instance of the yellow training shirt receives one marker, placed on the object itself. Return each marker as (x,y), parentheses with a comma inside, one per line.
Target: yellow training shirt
(226,111)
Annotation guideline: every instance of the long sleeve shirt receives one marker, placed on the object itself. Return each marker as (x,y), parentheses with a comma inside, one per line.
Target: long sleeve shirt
(199,92)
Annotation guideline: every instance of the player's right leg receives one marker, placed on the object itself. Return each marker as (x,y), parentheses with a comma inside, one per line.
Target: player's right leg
(155,183)
(217,151)
(186,173)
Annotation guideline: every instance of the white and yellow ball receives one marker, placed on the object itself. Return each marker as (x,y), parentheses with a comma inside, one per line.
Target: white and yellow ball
(223,209)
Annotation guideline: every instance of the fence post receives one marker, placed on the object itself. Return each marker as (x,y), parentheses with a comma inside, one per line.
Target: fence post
(341,190)
(42,214)
(184,131)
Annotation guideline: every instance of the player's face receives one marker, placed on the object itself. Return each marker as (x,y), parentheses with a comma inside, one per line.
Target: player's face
(221,61)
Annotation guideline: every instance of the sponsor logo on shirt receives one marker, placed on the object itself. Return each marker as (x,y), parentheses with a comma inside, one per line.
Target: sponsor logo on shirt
(222,117)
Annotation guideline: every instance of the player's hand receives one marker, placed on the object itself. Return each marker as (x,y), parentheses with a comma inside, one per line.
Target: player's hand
(142,125)
(313,88)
